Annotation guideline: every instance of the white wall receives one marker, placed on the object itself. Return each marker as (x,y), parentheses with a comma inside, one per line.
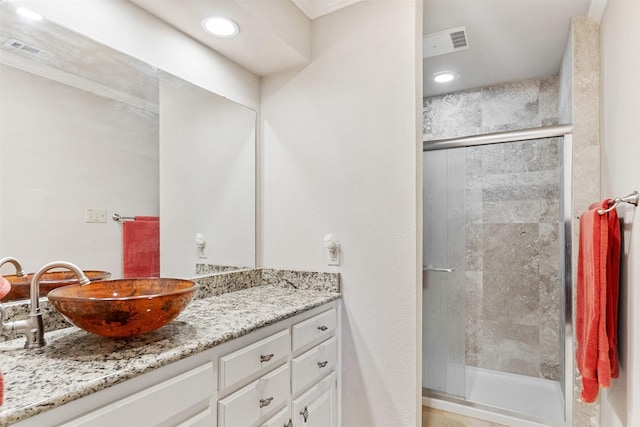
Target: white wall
(340,155)
(207,179)
(620,48)
(64,150)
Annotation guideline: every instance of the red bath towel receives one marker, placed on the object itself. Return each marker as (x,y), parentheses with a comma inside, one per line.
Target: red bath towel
(141,247)
(597,294)
(613,284)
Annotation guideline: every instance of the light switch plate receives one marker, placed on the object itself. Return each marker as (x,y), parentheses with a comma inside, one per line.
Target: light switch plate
(93,215)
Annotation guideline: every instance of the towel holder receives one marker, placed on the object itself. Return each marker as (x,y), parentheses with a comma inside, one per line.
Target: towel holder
(116,217)
(631,199)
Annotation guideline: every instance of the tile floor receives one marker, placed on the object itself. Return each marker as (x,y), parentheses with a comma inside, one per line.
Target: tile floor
(437,418)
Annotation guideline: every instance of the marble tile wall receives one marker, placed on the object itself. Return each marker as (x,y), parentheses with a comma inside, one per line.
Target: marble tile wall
(512,258)
(511,225)
(516,105)
(582,61)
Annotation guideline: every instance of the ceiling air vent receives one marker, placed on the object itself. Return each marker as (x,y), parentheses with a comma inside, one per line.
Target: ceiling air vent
(442,42)
(23,47)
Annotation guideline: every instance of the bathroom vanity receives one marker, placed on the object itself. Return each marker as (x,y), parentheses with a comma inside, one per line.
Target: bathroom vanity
(268,355)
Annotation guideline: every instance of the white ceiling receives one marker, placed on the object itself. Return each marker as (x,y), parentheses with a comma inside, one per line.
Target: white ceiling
(274,35)
(316,8)
(509,40)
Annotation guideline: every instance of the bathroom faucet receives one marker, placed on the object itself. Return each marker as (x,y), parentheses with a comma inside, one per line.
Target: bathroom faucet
(16,264)
(33,326)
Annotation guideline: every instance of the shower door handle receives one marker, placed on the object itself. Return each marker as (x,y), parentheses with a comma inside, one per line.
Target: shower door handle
(441,270)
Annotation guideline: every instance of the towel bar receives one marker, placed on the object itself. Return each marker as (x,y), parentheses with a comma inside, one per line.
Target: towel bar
(631,199)
(116,217)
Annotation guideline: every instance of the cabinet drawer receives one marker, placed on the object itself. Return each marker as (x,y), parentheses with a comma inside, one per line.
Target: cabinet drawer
(167,399)
(246,406)
(314,364)
(322,325)
(250,360)
(281,419)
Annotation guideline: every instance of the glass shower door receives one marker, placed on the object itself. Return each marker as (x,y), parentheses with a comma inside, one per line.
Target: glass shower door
(443,272)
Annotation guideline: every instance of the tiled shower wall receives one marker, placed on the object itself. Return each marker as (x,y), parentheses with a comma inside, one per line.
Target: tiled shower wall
(511,216)
(512,258)
(517,105)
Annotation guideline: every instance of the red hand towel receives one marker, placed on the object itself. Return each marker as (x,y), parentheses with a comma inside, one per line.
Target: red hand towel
(141,247)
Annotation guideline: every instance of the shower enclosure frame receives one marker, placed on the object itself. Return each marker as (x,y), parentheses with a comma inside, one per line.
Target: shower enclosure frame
(566,273)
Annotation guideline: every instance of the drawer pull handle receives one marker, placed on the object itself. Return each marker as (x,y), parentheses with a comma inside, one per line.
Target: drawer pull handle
(323,364)
(322,328)
(305,414)
(266,357)
(265,402)
(289,424)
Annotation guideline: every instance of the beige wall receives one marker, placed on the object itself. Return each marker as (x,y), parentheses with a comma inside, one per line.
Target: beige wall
(620,138)
(340,155)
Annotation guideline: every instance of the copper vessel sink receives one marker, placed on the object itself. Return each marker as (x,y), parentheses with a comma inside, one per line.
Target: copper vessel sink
(49,281)
(125,307)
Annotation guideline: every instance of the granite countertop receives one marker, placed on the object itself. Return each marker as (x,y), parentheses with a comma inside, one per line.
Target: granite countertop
(75,363)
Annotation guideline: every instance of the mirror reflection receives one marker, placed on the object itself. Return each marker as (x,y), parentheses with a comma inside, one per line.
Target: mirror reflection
(81,129)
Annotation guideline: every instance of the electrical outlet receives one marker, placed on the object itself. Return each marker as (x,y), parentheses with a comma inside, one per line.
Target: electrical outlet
(92,215)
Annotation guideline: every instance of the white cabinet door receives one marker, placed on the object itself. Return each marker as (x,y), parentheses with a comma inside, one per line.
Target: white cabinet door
(317,407)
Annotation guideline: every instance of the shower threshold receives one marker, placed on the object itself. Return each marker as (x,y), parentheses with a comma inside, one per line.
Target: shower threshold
(492,395)
(519,393)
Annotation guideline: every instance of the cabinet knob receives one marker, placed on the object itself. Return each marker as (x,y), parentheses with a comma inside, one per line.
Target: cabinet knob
(305,414)
(323,364)
(289,424)
(265,402)
(266,357)
(322,328)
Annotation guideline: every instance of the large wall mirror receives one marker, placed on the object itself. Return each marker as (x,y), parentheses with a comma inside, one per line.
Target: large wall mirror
(87,130)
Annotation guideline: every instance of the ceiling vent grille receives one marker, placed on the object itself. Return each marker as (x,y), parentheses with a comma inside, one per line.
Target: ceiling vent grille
(442,42)
(23,47)
(459,39)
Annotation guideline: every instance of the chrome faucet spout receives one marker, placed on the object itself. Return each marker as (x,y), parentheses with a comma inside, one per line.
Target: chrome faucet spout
(33,326)
(10,260)
(34,289)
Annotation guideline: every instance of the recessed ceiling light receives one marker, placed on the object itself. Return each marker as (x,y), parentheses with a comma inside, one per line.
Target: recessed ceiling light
(220,26)
(443,77)
(29,14)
